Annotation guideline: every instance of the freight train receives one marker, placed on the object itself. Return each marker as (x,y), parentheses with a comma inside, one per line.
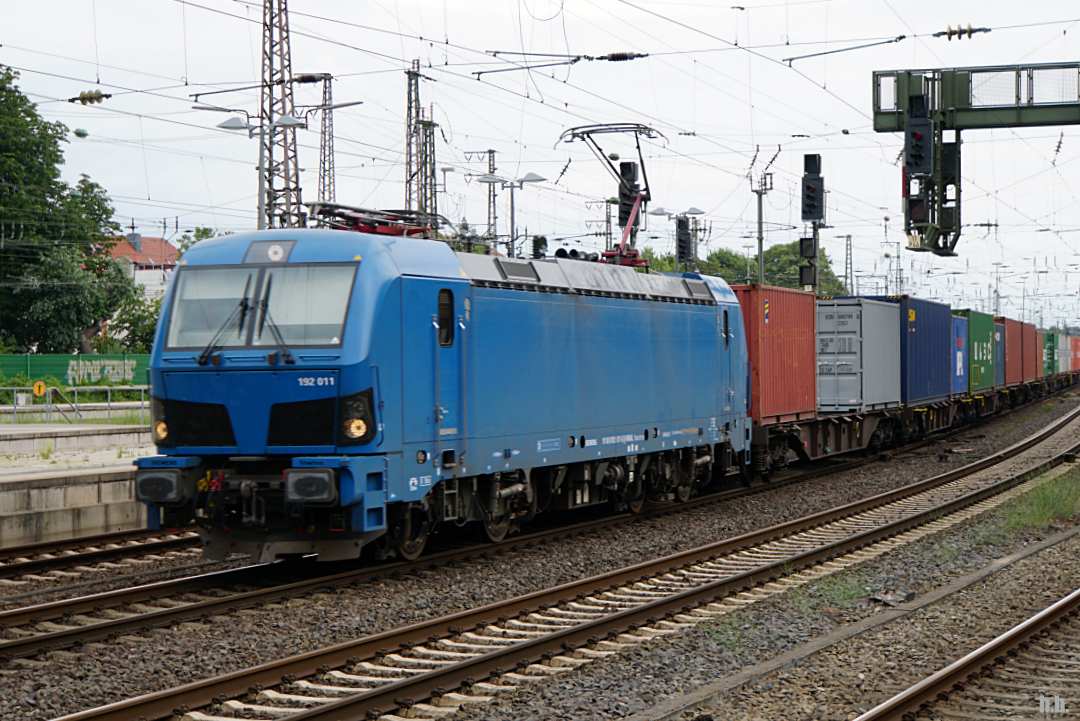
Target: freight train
(331,392)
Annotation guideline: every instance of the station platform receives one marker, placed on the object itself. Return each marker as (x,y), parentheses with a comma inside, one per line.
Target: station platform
(49,505)
(36,438)
(60,481)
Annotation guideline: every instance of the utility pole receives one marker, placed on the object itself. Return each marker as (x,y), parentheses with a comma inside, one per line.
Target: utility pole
(428,201)
(281,172)
(764,185)
(849,264)
(327,182)
(747,248)
(493,216)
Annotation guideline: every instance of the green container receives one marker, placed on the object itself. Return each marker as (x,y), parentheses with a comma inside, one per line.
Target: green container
(1050,345)
(980,349)
(78,370)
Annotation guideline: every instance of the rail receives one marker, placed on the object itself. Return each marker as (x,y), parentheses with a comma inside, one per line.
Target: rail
(940,684)
(73,403)
(567,609)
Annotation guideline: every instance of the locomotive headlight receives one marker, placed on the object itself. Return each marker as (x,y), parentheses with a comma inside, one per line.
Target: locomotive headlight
(310,485)
(355,428)
(161,485)
(357,414)
(159,426)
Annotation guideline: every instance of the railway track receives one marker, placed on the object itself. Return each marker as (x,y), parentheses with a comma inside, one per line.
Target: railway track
(429,669)
(31,630)
(54,560)
(1025,673)
(61,561)
(34,629)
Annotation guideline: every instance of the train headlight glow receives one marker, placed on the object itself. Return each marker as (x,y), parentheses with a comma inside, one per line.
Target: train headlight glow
(161,430)
(357,412)
(355,428)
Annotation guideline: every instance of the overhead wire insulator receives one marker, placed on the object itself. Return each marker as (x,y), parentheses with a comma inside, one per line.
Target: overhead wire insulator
(959,32)
(90,97)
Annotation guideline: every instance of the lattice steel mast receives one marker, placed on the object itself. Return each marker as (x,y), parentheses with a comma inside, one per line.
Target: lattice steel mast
(327,182)
(427,202)
(413,113)
(281,171)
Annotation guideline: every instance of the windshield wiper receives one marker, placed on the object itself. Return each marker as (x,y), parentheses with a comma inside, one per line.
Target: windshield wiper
(286,354)
(241,309)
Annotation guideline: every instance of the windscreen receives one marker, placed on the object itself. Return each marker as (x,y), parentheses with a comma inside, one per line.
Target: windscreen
(205,298)
(307,303)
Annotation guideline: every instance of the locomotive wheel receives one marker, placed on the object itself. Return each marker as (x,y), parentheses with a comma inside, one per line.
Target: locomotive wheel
(411,533)
(496,529)
(683,492)
(635,497)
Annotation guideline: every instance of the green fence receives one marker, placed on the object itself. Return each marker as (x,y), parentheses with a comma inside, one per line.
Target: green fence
(78,370)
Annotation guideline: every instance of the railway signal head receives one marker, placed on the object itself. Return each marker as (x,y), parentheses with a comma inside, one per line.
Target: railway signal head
(684,244)
(918,146)
(628,191)
(813,197)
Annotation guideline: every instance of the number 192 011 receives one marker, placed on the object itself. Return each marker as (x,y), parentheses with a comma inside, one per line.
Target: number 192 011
(311,381)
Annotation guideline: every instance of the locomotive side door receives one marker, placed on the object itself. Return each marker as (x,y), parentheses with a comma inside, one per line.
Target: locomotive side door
(432,355)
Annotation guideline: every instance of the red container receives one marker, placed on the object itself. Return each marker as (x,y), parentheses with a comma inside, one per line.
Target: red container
(1014,351)
(1074,345)
(1032,350)
(781,337)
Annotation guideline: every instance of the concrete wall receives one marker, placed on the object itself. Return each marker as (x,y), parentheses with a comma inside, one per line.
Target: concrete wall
(33,441)
(68,504)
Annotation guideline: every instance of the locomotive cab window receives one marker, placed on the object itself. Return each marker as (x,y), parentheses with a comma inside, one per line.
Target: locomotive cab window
(727,334)
(446,317)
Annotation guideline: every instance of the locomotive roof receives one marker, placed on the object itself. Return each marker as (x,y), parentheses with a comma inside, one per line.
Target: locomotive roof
(429,258)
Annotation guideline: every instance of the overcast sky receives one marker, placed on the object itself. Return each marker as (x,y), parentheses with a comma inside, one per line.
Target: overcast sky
(715,103)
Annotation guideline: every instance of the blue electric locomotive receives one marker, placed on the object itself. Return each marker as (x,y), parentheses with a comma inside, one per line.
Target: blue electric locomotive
(319,391)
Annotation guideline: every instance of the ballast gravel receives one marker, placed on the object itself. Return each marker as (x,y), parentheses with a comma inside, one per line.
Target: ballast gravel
(830,684)
(65,682)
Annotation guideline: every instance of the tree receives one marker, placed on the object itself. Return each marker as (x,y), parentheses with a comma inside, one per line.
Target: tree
(132,329)
(189,239)
(58,283)
(781,267)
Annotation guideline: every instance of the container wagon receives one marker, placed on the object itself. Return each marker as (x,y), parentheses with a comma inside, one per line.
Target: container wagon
(1062,350)
(1048,364)
(780,338)
(980,350)
(925,357)
(1032,347)
(858,355)
(959,363)
(999,354)
(1014,351)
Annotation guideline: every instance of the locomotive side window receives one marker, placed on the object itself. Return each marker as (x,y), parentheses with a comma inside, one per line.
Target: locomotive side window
(727,336)
(446,317)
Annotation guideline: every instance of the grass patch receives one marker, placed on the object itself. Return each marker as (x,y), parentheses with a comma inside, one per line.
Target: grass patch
(1054,501)
(841,590)
(46,451)
(726,633)
(945,552)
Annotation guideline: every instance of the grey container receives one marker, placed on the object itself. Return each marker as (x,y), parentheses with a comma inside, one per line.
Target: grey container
(858,355)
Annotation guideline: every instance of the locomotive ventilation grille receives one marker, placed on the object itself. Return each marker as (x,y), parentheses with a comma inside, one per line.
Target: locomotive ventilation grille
(199,424)
(305,423)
